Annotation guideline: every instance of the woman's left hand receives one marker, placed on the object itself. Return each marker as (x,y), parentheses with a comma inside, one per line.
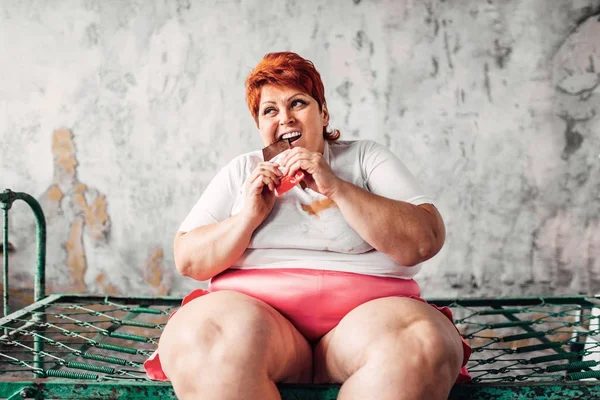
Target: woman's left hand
(318,174)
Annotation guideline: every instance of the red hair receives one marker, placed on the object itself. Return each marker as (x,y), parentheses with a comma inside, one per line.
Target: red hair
(286,69)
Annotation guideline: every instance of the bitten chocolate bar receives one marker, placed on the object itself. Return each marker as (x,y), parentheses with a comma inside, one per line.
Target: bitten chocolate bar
(272,150)
(286,182)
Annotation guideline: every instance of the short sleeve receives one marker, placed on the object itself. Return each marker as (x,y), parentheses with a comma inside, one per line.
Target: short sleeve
(218,198)
(386,175)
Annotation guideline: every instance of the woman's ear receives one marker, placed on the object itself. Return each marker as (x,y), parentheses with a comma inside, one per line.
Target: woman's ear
(325,115)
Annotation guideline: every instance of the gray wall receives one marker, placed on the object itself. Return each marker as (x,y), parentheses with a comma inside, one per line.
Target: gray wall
(116,114)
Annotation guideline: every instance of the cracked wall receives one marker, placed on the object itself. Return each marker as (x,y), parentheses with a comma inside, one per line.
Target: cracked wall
(116,118)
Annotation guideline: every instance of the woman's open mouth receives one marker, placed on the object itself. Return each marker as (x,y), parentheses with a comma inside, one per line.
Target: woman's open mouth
(291,136)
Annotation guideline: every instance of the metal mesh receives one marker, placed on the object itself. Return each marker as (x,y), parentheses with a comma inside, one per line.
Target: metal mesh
(81,340)
(539,341)
(517,340)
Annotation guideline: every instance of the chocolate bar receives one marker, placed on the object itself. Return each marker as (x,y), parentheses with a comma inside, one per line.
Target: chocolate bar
(277,148)
(272,150)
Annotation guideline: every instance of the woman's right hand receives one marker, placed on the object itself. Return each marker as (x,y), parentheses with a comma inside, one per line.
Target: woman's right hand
(259,192)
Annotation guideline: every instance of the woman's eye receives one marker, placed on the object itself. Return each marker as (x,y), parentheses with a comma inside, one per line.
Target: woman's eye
(298,102)
(268,110)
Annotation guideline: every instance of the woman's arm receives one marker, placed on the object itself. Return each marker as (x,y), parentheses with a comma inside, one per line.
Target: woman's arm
(208,250)
(406,233)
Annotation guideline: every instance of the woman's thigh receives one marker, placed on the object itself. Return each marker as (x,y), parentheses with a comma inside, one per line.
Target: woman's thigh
(389,331)
(236,331)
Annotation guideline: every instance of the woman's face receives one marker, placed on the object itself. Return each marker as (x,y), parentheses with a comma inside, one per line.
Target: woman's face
(288,112)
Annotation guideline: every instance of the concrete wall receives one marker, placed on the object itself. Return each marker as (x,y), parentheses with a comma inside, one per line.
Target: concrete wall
(116,114)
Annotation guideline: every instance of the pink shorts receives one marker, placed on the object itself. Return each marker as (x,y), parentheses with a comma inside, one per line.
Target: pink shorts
(314,301)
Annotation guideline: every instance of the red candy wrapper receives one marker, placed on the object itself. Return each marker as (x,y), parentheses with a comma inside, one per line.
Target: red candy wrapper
(270,153)
(287,182)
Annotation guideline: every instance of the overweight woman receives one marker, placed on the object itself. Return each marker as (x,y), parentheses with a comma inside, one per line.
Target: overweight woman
(314,285)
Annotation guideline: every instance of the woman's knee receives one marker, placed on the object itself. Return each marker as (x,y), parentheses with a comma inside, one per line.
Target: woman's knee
(423,353)
(224,329)
(419,338)
(429,348)
(215,324)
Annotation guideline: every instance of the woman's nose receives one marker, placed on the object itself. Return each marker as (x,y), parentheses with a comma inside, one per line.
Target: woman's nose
(285,118)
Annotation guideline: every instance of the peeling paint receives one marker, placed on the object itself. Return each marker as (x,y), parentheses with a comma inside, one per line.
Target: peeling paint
(93,219)
(154,272)
(64,151)
(17,298)
(76,255)
(96,216)
(55,194)
(106,286)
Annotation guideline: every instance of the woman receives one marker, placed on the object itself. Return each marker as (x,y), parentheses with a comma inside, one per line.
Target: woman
(315,285)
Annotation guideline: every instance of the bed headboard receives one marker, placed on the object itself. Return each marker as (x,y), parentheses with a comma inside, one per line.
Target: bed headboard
(6,200)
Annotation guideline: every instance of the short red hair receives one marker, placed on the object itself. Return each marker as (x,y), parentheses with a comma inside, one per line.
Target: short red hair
(286,69)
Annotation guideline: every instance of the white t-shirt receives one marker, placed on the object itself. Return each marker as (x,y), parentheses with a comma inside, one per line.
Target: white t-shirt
(305,229)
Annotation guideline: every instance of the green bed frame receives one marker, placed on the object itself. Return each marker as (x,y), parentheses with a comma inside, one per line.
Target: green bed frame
(73,346)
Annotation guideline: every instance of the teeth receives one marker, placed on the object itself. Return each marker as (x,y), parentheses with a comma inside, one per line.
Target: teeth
(290,135)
